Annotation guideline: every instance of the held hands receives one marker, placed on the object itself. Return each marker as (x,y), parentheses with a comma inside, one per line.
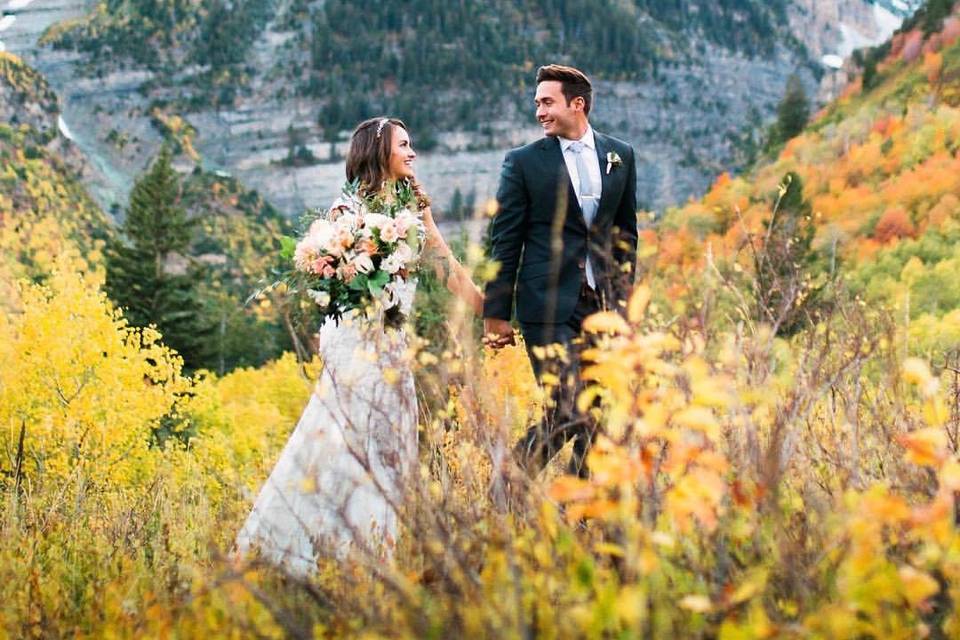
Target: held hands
(498,333)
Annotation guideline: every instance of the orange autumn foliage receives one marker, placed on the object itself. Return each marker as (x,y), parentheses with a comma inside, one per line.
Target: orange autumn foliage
(894,224)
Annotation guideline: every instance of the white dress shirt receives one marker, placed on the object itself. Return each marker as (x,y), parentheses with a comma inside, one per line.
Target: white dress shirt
(593,168)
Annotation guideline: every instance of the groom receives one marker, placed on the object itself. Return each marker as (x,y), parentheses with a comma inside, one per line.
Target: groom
(565,237)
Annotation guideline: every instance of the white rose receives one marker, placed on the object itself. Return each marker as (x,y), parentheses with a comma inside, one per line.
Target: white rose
(363,263)
(388,232)
(319,235)
(376,220)
(347,222)
(404,253)
(391,264)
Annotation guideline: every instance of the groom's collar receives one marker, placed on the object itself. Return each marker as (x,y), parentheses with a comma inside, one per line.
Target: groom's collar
(587,140)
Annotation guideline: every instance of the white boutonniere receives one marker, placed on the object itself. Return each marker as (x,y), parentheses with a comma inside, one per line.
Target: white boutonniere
(613,161)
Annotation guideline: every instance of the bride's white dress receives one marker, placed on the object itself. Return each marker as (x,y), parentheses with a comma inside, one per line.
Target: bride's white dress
(340,478)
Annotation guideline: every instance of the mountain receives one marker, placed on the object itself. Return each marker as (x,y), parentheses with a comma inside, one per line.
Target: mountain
(839,28)
(880,169)
(270,88)
(48,220)
(46,216)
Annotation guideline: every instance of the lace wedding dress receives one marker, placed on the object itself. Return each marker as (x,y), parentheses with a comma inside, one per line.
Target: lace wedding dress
(339,482)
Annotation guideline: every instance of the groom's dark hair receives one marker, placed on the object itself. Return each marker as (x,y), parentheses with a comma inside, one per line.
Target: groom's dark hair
(574,83)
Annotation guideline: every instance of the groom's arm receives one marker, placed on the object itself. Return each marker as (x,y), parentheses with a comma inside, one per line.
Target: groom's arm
(506,239)
(625,232)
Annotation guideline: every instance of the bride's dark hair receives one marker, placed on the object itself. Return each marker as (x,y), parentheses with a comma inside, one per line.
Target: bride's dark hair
(368,159)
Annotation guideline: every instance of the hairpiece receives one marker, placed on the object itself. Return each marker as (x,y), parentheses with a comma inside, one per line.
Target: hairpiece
(381,125)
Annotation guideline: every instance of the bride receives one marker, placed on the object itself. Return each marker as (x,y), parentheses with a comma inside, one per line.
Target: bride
(339,482)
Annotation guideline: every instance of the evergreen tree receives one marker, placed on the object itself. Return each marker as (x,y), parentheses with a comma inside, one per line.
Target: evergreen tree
(140,279)
(933,14)
(455,210)
(793,112)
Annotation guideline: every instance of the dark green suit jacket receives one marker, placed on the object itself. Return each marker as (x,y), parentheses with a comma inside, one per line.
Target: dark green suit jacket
(541,241)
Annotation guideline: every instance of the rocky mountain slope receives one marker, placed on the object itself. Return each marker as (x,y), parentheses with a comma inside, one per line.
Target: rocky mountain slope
(687,88)
(880,173)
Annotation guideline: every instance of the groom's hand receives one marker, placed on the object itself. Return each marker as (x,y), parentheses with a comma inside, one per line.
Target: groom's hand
(497,333)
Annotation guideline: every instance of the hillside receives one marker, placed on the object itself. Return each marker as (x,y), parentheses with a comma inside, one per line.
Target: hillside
(49,222)
(473,56)
(46,216)
(272,88)
(881,171)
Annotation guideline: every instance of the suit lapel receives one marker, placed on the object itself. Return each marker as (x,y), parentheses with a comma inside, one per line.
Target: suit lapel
(603,147)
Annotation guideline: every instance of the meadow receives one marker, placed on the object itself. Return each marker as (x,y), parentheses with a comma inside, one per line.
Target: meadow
(780,411)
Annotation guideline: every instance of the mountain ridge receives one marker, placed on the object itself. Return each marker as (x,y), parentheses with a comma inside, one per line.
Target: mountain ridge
(270,123)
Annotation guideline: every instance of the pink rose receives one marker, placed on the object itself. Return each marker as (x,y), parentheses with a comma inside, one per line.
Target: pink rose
(347,272)
(367,246)
(321,264)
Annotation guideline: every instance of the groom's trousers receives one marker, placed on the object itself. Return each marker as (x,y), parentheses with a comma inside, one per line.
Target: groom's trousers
(558,371)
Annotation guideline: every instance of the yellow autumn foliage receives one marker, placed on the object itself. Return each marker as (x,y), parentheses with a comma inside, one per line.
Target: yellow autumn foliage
(134,479)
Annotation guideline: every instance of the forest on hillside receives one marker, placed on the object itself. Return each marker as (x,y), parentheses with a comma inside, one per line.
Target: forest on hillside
(373,58)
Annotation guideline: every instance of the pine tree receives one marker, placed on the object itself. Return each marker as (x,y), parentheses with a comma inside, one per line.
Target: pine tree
(456,211)
(139,277)
(793,112)
(934,12)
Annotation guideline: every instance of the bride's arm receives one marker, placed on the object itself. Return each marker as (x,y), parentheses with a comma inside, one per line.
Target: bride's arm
(448,268)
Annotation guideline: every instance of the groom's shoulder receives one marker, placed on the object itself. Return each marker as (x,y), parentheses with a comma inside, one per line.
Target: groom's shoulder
(528,150)
(620,146)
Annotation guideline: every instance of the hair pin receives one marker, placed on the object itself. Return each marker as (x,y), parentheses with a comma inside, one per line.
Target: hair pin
(383,123)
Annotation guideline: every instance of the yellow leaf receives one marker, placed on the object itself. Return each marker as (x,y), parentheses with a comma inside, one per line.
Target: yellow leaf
(639,300)
(697,604)
(548,379)
(647,561)
(915,371)
(753,584)
(608,548)
(662,539)
(606,322)
(926,447)
(570,488)
(308,484)
(935,412)
(917,585)
(699,419)
(950,476)
(630,604)
(587,397)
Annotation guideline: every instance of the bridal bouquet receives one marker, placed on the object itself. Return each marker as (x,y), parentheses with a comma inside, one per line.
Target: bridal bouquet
(356,253)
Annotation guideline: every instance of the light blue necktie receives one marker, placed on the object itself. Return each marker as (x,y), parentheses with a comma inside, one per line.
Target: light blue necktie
(589,201)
